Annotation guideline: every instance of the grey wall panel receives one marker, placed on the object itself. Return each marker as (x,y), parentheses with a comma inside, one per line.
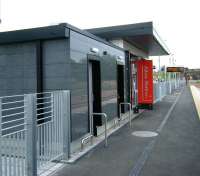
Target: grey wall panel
(15,83)
(61,73)
(18,68)
(80,46)
(109,85)
(14,72)
(56,69)
(30,71)
(2,84)
(78,57)
(56,83)
(56,51)
(79,100)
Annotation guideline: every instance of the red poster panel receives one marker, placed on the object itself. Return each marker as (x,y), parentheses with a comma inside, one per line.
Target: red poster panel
(145,81)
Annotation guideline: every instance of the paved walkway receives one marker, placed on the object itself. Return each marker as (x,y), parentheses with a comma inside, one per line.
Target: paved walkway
(174,152)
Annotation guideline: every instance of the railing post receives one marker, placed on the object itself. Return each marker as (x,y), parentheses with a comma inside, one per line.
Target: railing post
(130,115)
(170,84)
(170,87)
(160,91)
(106,135)
(66,123)
(30,120)
(120,114)
(0,137)
(105,125)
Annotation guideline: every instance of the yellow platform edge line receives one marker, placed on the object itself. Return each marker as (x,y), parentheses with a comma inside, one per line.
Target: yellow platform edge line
(196,97)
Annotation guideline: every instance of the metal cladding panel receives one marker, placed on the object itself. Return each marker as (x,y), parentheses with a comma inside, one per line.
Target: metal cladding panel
(145,81)
(56,68)
(80,49)
(18,68)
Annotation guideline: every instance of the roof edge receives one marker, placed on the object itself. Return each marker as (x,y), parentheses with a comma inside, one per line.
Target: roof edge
(160,41)
(24,35)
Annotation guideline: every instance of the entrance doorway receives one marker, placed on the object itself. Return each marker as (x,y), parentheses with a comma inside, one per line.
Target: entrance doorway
(120,87)
(94,75)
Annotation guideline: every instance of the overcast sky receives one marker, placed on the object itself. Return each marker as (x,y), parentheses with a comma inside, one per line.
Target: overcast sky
(176,21)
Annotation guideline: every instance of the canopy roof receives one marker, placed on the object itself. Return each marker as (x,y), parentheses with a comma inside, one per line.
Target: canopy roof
(141,35)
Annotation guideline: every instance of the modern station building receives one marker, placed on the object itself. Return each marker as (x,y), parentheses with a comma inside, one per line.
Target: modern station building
(96,65)
(139,42)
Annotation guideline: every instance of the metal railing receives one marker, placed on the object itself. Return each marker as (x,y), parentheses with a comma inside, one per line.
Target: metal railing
(12,136)
(120,113)
(34,131)
(161,89)
(83,141)
(104,115)
(90,137)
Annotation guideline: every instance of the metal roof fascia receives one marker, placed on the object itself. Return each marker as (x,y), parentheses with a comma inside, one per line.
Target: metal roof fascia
(162,44)
(25,35)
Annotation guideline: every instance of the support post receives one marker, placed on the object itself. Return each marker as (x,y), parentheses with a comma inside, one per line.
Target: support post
(66,123)
(30,120)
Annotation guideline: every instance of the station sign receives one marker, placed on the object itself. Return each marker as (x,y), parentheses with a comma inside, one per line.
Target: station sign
(175,69)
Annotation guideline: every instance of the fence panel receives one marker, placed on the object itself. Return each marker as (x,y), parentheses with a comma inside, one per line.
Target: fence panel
(52,126)
(13,136)
(34,132)
(161,89)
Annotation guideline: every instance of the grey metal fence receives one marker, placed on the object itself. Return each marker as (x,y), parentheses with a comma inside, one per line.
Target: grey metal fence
(34,132)
(161,89)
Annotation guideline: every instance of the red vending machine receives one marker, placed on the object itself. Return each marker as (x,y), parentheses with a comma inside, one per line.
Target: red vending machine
(143,86)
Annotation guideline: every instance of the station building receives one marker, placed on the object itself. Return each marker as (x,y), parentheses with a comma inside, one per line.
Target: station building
(140,41)
(97,65)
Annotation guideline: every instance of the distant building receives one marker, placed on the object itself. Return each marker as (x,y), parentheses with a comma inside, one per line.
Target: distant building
(194,74)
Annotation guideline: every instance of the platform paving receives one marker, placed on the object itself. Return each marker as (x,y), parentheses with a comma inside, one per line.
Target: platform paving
(174,152)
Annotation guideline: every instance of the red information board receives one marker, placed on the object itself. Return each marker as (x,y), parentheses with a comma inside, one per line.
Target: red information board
(145,81)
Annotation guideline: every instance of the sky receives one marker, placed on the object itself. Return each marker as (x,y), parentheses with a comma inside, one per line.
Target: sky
(176,21)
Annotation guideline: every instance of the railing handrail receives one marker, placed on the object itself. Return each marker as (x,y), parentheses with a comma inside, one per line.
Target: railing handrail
(86,138)
(91,130)
(125,103)
(105,124)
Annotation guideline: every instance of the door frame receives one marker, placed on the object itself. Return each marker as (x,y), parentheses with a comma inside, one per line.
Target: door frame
(92,58)
(118,103)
